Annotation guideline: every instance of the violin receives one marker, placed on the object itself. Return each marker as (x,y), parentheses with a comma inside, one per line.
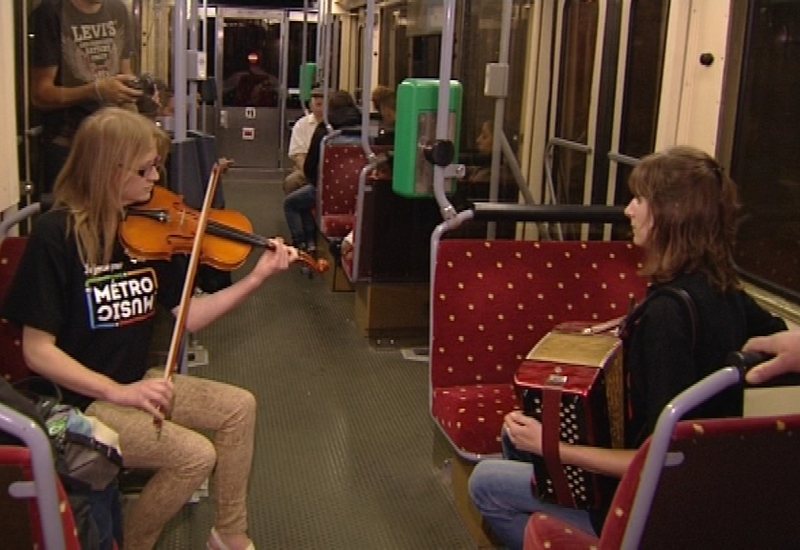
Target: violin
(165,225)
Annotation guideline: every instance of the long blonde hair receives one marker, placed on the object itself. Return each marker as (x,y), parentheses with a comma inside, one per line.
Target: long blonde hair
(107,145)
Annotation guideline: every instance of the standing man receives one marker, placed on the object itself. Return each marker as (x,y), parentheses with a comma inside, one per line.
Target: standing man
(302,131)
(81,60)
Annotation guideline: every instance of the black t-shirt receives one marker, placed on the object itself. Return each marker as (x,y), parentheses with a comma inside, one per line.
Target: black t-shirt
(83,47)
(101,316)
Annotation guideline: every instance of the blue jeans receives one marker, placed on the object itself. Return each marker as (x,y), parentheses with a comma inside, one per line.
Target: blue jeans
(501,490)
(297,207)
(106,511)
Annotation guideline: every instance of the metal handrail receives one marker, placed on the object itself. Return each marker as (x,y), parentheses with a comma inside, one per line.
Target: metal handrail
(45,488)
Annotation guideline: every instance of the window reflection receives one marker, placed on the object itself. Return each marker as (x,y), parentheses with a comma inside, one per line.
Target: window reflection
(766,151)
(574,96)
(643,69)
(251,63)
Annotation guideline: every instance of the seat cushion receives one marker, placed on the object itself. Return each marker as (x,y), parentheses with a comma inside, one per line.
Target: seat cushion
(336,226)
(545,531)
(472,416)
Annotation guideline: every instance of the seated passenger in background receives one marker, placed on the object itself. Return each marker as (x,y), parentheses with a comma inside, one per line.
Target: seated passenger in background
(378,94)
(683,215)
(474,187)
(387,108)
(302,131)
(87,312)
(479,169)
(298,205)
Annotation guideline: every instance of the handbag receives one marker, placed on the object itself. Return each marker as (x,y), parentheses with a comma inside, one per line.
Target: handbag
(88,454)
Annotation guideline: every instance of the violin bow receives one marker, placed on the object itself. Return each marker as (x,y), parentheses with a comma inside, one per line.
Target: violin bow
(176,343)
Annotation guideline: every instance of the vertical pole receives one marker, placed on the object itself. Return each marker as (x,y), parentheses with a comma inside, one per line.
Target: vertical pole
(327,63)
(26,113)
(499,115)
(179,68)
(204,39)
(443,113)
(304,57)
(366,78)
(192,84)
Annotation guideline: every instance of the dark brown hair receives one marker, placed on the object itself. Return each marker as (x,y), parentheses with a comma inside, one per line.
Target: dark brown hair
(693,205)
(339,100)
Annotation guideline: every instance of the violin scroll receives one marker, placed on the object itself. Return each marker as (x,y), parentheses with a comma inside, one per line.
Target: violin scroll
(317,265)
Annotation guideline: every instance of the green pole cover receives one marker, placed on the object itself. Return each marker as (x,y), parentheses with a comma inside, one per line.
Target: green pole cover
(308,75)
(417,102)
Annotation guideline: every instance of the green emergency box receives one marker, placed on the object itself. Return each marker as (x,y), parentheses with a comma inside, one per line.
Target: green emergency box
(415,128)
(308,76)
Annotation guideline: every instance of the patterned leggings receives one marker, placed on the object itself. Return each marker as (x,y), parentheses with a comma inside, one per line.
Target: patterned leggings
(184,458)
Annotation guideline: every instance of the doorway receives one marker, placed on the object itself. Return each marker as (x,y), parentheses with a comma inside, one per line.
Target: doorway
(256,75)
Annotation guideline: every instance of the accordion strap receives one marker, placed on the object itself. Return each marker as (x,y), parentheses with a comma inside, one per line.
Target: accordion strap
(551,429)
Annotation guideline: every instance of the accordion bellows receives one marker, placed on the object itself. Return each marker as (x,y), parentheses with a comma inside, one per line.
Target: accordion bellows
(572,382)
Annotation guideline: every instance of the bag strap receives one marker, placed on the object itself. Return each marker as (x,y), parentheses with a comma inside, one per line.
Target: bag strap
(679,294)
(41,391)
(107,451)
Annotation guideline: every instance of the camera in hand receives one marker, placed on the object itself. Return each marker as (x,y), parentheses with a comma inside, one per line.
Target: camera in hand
(145,83)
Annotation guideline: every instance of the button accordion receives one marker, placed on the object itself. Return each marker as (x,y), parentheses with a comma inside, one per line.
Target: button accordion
(572,382)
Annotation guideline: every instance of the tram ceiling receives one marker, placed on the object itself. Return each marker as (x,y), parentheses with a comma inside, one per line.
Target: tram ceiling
(349,5)
(259,3)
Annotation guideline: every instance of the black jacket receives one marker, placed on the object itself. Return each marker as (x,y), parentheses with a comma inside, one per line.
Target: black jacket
(341,118)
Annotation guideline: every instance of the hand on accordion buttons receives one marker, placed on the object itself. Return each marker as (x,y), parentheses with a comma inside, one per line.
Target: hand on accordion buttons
(524,432)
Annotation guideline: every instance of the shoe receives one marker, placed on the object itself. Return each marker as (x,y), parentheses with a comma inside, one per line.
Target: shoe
(220,545)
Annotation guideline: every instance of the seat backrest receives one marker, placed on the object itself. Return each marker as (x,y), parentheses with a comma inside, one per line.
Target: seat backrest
(12,364)
(337,189)
(493,300)
(727,483)
(338,184)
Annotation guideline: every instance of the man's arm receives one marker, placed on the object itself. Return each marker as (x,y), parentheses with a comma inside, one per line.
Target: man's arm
(46,96)
(299,160)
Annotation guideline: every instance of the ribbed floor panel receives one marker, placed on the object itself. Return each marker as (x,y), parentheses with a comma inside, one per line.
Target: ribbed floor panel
(346,454)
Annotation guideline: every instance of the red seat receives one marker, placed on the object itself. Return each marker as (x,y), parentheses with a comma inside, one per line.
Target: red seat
(24,519)
(725,483)
(12,364)
(491,302)
(337,190)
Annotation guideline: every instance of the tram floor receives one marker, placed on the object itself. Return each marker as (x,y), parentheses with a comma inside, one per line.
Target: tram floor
(346,453)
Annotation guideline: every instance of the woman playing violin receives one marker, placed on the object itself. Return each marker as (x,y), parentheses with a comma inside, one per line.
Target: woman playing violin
(87,313)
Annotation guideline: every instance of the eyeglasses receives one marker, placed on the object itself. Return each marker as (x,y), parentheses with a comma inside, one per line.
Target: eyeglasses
(143,172)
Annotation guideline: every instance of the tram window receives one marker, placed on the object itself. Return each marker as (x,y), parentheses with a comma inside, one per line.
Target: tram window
(251,63)
(481,23)
(766,150)
(295,58)
(645,61)
(425,56)
(574,89)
